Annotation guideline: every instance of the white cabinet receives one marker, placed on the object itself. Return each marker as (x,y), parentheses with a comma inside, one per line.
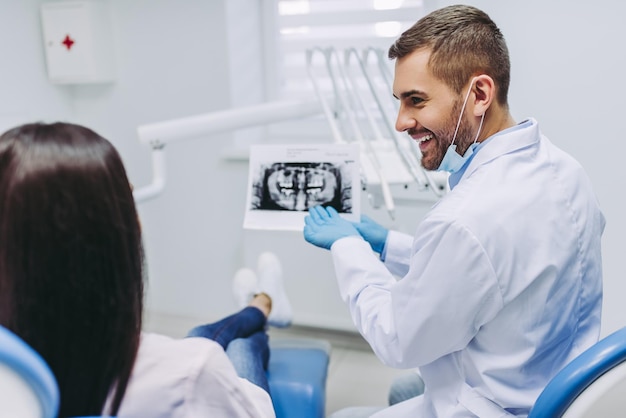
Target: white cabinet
(78,41)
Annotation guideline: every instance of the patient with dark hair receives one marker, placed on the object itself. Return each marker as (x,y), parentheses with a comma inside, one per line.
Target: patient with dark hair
(71,286)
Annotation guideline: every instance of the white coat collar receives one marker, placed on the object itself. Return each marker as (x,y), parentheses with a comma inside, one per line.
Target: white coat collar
(520,136)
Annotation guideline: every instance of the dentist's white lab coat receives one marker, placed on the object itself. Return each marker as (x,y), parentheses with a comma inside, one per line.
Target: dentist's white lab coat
(501,285)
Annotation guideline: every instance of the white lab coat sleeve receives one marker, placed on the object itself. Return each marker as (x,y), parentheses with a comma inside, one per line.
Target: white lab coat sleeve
(365,286)
(449,291)
(398,252)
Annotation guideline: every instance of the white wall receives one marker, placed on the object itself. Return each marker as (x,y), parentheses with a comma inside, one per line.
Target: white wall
(175,59)
(180,58)
(24,91)
(171,61)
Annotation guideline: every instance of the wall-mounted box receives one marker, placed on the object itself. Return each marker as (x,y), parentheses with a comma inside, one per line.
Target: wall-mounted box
(78,41)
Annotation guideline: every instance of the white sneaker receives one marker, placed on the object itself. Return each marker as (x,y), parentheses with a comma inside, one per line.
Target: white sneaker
(270,281)
(245,286)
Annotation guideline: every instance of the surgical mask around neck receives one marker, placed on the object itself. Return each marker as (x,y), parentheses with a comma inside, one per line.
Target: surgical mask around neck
(452,161)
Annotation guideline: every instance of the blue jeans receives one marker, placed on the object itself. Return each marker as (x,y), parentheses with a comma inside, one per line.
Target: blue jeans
(243,337)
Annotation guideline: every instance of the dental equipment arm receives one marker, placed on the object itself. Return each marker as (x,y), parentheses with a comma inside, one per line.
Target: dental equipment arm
(328,54)
(157,135)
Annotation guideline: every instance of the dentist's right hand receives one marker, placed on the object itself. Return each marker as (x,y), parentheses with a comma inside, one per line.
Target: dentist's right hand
(323,226)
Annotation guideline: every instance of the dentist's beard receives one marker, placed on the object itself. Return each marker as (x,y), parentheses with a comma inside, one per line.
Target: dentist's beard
(443,138)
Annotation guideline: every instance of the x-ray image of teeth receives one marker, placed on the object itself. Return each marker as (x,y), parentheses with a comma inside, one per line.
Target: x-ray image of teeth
(286,180)
(298,186)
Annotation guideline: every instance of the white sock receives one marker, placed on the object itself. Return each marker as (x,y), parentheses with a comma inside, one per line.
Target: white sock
(245,286)
(270,276)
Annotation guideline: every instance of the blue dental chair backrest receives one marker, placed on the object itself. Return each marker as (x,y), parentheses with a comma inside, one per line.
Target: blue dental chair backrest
(591,385)
(28,388)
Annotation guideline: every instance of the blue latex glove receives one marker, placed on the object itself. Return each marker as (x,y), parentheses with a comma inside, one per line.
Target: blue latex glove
(323,226)
(372,232)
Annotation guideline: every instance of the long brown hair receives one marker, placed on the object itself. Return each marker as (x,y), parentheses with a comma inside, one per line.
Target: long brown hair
(71,259)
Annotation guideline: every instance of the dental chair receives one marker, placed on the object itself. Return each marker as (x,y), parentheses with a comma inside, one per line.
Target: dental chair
(592,385)
(297,377)
(27,386)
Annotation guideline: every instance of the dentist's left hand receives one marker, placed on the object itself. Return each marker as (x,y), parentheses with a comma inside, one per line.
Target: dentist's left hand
(324,226)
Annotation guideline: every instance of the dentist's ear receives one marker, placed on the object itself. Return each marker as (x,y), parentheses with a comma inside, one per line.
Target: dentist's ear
(484,92)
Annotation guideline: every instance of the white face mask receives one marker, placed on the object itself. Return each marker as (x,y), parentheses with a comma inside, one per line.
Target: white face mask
(452,161)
